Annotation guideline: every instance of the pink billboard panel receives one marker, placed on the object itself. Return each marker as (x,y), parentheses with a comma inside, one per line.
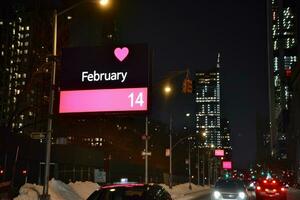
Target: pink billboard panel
(227,165)
(219,152)
(103,100)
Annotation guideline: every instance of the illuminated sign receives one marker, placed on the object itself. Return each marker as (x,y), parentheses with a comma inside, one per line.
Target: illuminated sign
(227,165)
(219,152)
(104,79)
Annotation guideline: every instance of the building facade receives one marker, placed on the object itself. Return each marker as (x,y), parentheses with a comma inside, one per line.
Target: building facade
(282,53)
(14,64)
(208,111)
(226,137)
(24,68)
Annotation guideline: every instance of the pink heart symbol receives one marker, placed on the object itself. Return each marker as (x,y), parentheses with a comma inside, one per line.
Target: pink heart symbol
(121,53)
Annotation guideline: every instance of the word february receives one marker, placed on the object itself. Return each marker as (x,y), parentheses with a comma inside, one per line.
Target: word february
(95,76)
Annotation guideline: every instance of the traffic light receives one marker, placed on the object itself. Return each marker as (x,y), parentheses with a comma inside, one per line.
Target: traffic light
(187,86)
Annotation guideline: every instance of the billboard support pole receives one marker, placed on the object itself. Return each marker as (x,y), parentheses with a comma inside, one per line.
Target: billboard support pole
(146,151)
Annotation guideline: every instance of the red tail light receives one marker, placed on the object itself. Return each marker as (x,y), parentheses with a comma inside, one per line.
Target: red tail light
(274,190)
(265,181)
(274,181)
(282,189)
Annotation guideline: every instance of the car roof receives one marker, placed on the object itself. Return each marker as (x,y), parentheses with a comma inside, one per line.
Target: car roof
(115,185)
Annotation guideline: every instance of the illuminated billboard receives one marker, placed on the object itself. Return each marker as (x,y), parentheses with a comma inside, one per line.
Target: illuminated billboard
(104,79)
(219,152)
(227,165)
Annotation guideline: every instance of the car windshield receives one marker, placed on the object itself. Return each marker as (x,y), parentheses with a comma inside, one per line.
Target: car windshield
(124,193)
(229,184)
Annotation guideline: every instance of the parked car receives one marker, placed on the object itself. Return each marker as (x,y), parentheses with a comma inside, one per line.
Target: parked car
(131,191)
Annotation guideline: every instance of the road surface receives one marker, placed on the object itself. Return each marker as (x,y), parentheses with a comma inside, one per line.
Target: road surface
(293,194)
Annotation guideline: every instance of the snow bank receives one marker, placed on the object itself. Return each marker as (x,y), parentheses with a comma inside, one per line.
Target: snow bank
(84,189)
(58,190)
(29,192)
(183,189)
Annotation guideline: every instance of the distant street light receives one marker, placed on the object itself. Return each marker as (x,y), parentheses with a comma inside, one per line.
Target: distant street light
(103,3)
(167,90)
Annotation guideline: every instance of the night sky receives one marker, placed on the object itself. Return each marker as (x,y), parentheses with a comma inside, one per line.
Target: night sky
(189,34)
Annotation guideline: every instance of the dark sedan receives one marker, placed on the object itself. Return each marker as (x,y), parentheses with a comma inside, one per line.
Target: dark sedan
(131,191)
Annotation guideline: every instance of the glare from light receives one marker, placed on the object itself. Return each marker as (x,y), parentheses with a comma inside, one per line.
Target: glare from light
(204,134)
(103,2)
(242,195)
(168,89)
(217,194)
(187,114)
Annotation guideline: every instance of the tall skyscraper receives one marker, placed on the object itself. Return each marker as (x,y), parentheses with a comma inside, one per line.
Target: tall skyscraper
(14,64)
(208,112)
(24,69)
(282,52)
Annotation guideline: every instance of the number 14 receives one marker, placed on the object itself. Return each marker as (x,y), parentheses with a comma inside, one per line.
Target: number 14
(138,101)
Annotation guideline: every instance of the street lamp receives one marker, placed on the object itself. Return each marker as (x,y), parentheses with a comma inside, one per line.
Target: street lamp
(103,3)
(167,92)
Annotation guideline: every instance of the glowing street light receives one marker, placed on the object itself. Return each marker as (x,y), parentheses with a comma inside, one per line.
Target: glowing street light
(167,90)
(103,2)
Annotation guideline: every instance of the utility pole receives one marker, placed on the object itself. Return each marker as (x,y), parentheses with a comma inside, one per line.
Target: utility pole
(203,169)
(170,161)
(190,175)
(146,151)
(198,165)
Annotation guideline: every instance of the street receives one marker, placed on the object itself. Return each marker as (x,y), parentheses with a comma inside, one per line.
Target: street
(293,194)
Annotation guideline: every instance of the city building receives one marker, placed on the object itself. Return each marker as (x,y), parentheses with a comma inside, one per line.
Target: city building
(294,126)
(226,137)
(14,61)
(282,56)
(208,112)
(24,67)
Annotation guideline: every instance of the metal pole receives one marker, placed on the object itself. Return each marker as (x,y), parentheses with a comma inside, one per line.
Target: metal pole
(209,168)
(146,153)
(190,175)
(203,169)
(50,120)
(14,167)
(5,166)
(198,167)
(170,164)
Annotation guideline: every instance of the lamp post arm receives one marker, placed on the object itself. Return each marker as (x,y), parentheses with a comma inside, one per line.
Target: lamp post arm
(181,139)
(72,7)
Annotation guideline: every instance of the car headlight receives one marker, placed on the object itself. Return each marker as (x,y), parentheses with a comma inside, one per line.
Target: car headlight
(217,194)
(242,195)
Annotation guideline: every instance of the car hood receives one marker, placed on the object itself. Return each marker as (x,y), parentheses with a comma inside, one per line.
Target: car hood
(229,190)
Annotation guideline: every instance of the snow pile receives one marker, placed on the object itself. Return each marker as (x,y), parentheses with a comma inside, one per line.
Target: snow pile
(57,190)
(84,189)
(29,192)
(183,189)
